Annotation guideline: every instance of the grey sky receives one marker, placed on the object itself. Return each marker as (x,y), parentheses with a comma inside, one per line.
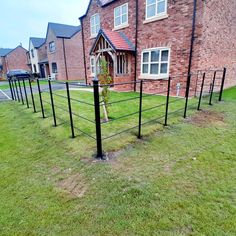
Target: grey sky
(21,19)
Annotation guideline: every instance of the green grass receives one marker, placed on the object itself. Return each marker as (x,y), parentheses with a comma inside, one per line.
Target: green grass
(6,86)
(178,180)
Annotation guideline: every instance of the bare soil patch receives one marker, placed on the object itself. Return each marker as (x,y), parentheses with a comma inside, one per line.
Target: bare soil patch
(206,118)
(74,185)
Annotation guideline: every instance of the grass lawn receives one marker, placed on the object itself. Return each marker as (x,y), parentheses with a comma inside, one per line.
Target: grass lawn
(6,86)
(178,180)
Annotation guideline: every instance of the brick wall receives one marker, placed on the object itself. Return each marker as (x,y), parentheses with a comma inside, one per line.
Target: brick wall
(73,52)
(17,59)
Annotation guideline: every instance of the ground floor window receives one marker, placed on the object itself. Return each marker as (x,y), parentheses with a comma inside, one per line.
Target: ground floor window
(92,65)
(122,64)
(54,67)
(155,62)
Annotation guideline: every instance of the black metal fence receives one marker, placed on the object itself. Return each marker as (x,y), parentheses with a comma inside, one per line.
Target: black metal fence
(188,94)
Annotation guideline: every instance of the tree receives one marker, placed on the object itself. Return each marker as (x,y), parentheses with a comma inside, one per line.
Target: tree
(105,81)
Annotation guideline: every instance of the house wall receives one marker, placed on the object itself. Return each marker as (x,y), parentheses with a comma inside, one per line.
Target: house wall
(107,23)
(73,52)
(34,60)
(17,59)
(215,45)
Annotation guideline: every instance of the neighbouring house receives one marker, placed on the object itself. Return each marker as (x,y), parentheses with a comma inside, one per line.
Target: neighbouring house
(64,52)
(11,59)
(155,39)
(38,57)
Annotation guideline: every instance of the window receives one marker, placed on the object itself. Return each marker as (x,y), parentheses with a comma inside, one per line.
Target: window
(54,67)
(122,64)
(121,15)
(52,46)
(95,24)
(32,53)
(156,62)
(155,8)
(92,65)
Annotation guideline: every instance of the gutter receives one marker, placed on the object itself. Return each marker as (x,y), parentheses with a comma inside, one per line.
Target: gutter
(64,52)
(136,46)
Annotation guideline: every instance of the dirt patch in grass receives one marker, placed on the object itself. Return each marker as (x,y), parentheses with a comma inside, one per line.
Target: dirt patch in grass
(74,185)
(206,118)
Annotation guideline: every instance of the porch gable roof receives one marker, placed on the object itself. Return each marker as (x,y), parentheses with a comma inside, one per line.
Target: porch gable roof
(117,40)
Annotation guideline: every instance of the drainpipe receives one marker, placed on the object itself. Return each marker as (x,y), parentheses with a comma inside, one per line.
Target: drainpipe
(192,43)
(85,69)
(136,46)
(64,52)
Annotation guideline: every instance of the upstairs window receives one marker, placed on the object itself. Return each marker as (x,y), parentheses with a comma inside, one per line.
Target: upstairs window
(121,15)
(32,53)
(54,67)
(155,62)
(52,46)
(155,8)
(95,25)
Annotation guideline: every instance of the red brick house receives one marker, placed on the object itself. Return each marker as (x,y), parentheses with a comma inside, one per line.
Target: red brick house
(64,52)
(155,39)
(11,59)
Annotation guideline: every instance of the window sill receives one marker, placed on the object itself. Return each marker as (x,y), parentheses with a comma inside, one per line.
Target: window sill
(156,18)
(151,77)
(52,52)
(120,27)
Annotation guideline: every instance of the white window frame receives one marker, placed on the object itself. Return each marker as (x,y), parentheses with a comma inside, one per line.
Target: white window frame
(94,26)
(156,14)
(123,24)
(92,66)
(159,75)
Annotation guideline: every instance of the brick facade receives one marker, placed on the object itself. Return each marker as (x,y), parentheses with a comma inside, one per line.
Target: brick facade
(16,59)
(72,58)
(214,45)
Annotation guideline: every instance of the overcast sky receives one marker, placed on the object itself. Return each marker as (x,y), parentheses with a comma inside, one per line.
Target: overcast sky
(21,19)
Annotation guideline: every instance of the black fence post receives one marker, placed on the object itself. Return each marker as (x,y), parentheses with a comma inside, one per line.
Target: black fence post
(52,103)
(21,95)
(11,89)
(140,109)
(32,95)
(212,88)
(222,84)
(200,96)
(167,102)
(40,98)
(70,110)
(18,98)
(97,118)
(26,97)
(187,95)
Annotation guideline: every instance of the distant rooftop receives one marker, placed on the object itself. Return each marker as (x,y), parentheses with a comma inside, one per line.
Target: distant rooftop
(105,2)
(63,31)
(37,42)
(4,51)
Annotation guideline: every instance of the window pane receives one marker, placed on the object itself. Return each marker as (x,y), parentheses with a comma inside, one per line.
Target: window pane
(117,21)
(124,19)
(154,69)
(155,56)
(161,7)
(149,2)
(117,11)
(151,11)
(164,67)
(165,55)
(145,56)
(145,69)
(124,9)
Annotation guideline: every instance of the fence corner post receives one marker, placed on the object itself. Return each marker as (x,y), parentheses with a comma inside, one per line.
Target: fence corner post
(140,109)
(222,84)
(97,118)
(167,102)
